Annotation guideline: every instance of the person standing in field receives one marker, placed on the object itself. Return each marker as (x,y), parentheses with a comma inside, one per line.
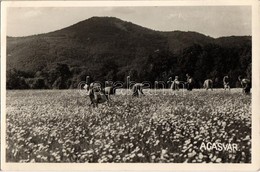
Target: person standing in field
(208,84)
(96,94)
(175,84)
(246,85)
(137,89)
(169,82)
(226,82)
(189,82)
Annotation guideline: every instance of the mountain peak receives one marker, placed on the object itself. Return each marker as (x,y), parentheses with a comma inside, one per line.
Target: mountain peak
(104,18)
(100,19)
(97,39)
(97,24)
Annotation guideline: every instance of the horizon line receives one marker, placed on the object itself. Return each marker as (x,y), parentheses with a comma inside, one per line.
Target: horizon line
(38,34)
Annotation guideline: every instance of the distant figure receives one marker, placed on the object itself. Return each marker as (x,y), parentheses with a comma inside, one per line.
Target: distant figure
(169,82)
(190,82)
(137,89)
(246,85)
(109,89)
(226,82)
(175,84)
(96,94)
(208,84)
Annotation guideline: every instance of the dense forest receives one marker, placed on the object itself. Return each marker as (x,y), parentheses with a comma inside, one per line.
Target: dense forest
(108,48)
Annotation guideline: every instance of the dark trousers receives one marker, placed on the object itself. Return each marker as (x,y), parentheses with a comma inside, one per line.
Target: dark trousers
(189,86)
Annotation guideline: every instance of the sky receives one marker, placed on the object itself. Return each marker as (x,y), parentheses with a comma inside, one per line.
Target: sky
(214,21)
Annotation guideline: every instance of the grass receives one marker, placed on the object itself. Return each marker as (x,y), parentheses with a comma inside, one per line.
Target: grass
(60,126)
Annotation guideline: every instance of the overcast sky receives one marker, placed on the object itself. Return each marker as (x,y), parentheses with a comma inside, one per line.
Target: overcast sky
(213,21)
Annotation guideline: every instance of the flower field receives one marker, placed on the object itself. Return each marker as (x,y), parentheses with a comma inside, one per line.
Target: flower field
(60,126)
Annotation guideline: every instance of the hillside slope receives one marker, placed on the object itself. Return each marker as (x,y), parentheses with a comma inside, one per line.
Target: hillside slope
(107,44)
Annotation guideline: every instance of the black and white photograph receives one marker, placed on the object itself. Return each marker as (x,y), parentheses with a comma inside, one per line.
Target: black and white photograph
(119,84)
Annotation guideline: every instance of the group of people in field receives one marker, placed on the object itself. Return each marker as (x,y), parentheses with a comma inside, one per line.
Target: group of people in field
(245,84)
(208,83)
(98,94)
(175,84)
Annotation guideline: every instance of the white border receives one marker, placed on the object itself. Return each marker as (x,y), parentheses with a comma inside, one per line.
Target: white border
(254,166)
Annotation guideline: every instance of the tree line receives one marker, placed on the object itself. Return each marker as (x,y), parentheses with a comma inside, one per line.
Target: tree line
(211,61)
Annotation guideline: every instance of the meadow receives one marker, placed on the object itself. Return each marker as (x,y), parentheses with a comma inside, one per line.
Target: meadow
(61,126)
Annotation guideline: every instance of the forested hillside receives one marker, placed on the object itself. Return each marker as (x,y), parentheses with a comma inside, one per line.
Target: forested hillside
(108,48)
